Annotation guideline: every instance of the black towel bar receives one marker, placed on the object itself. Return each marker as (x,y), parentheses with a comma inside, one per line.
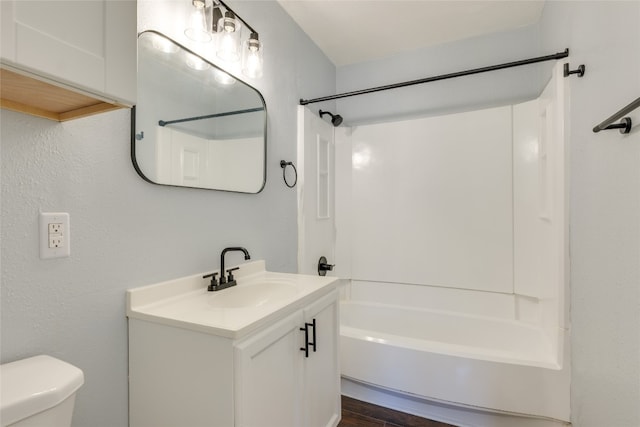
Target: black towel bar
(625,125)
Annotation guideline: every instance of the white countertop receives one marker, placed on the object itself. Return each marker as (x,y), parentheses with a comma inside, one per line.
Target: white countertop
(260,297)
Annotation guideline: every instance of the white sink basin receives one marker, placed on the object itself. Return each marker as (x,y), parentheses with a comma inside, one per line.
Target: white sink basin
(231,312)
(255,294)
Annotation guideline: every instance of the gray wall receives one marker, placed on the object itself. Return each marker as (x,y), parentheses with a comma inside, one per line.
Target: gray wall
(604,171)
(605,209)
(127,233)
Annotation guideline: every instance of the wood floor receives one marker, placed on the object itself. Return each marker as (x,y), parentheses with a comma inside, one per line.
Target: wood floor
(356,413)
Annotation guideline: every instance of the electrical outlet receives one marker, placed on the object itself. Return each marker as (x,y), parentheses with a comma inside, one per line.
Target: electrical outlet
(54,235)
(55,241)
(55,228)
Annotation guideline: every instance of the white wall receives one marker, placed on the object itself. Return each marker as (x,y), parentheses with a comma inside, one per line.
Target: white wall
(126,232)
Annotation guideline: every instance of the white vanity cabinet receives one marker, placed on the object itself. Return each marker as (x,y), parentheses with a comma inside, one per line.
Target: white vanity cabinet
(322,407)
(86,46)
(281,380)
(205,359)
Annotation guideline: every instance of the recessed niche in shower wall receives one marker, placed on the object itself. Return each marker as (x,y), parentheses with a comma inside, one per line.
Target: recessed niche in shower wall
(323,178)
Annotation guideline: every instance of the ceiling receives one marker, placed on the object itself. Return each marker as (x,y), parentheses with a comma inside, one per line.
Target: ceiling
(352,31)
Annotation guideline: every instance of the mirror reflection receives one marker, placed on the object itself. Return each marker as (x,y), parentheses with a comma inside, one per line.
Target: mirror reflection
(195,124)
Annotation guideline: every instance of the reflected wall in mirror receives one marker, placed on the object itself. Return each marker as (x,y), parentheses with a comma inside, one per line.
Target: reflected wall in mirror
(195,125)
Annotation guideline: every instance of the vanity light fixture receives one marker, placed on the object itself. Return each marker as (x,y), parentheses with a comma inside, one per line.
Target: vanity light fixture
(197,29)
(217,14)
(226,31)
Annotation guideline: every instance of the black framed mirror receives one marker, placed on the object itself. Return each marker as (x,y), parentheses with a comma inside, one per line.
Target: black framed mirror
(195,125)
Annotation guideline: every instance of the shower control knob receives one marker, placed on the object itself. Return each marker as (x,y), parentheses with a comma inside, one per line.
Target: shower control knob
(323,267)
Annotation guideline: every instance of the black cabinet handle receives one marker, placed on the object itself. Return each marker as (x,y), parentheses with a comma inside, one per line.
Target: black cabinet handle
(306,340)
(313,344)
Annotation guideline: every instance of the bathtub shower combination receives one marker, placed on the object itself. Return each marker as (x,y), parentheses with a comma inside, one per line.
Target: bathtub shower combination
(451,231)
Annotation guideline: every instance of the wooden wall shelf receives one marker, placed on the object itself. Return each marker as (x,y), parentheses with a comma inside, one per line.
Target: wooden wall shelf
(31,96)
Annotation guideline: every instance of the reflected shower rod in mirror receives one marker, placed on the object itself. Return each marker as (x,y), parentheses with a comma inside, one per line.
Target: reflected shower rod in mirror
(210,116)
(552,57)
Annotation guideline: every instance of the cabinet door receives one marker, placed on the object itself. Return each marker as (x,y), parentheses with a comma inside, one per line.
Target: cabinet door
(322,372)
(121,49)
(89,45)
(268,380)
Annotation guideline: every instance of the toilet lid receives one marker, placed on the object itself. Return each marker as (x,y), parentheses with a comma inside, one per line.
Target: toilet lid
(33,385)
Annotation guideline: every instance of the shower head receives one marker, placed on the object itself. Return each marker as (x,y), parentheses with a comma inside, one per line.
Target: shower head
(336,119)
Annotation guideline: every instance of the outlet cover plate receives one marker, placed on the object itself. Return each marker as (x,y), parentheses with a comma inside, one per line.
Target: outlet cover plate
(54,227)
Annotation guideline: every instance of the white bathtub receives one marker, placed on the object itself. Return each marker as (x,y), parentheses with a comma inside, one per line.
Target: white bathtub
(475,361)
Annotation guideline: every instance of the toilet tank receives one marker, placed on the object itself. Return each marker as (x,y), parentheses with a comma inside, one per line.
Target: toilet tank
(38,391)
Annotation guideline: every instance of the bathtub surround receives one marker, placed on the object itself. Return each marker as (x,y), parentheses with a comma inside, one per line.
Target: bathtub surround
(463,283)
(127,232)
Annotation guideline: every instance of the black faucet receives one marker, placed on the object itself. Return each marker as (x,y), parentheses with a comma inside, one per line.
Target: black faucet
(228,281)
(225,281)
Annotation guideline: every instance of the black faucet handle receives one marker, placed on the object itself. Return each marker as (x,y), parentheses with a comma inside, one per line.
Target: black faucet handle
(214,281)
(230,271)
(324,266)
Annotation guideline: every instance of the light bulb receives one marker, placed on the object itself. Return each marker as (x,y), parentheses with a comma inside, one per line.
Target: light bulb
(229,38)
(197,29)
(229,24)
(252,57)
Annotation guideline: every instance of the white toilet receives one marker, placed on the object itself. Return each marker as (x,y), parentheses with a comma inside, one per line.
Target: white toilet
(37,392)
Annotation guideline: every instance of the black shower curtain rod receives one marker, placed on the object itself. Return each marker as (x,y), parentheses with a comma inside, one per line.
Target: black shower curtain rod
(558,55)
